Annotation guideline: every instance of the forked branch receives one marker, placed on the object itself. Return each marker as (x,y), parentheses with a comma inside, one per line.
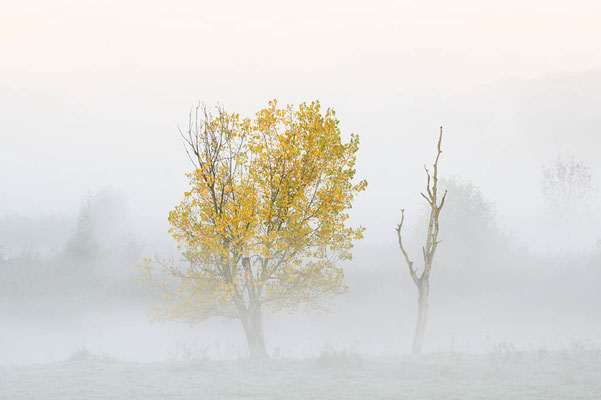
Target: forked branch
(431,196)
(405,255)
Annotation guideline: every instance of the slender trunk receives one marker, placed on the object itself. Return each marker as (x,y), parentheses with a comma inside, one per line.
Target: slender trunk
(252,320)
(253,329)
(423,282)
(420,328)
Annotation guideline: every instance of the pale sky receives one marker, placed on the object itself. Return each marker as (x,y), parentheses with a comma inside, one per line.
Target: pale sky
(92,91)
(89,45)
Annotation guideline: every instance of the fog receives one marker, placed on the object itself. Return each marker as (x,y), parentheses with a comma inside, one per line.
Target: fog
(91,162)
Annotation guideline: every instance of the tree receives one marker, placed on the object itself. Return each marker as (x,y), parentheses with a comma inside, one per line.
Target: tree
(422,281)
(100,223)
(568,187)
(264,222)
(83,246)
(472,235)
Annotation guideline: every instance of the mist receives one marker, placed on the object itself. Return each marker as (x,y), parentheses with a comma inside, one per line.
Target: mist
(92,98)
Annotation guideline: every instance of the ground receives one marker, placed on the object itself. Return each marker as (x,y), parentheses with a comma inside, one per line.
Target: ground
(502,374)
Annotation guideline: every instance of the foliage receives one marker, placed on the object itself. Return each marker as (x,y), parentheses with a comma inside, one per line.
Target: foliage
(100,222)
(469,227)
(467,208)
(330,357)
(264,221)
(91,268)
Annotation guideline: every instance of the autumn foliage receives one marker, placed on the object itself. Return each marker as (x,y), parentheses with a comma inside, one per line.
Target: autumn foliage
(264,222)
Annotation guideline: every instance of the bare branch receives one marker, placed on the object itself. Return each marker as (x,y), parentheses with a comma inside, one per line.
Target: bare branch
(444,196)
(428,250)
(428,184)
(427,199)
(438,147)
(405,255)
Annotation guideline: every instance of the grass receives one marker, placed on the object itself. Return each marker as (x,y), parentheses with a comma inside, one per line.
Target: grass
(333,375)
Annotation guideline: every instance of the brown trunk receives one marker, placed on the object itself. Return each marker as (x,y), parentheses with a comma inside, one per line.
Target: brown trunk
(252,320)
(420,328)
(253,329)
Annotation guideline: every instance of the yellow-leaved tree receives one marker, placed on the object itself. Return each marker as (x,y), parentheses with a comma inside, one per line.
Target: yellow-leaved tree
(264,223)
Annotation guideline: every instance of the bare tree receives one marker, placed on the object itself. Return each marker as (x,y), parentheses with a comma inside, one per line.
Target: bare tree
(422,281)
(568,187)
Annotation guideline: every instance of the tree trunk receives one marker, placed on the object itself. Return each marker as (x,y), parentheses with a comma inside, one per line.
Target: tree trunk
(252,320)
(253,329)
(423,282)
(420,328)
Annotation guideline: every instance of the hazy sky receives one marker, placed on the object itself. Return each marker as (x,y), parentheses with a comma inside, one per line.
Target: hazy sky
(78,45)
(92,91)
(94,45)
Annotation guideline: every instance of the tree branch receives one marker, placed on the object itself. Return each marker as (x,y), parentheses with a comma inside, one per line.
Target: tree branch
(405,255)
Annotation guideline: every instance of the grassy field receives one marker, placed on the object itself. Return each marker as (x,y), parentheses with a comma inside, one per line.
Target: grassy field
(502,374)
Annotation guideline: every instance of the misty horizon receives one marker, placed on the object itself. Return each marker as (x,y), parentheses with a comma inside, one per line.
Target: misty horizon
(94,97)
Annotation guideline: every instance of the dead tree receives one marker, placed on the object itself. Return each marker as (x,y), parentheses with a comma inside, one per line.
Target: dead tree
(422,281)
